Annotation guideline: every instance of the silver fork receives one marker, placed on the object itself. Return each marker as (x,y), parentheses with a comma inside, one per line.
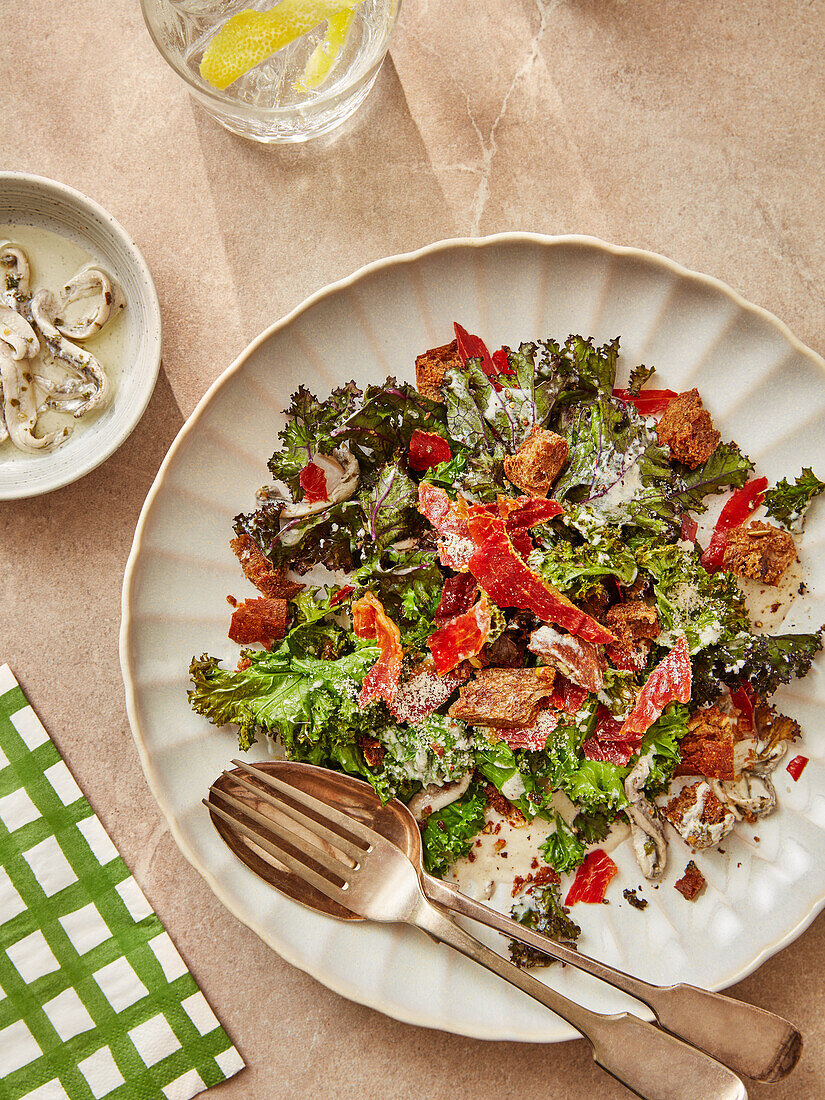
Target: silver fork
(363,871)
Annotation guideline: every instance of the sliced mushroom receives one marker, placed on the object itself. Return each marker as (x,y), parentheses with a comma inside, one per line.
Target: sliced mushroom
(342,473)
(748,796)
(20,407)
(435,798)
(18,334)
(646,829)
(89,282)
(15,274)
(82,362)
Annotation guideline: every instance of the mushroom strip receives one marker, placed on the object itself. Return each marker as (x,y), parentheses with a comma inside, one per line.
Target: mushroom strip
(18,334)
(14,270)
(82,362)
(342,472)
(20,407)
(646,830)
(434,798)
(89,282)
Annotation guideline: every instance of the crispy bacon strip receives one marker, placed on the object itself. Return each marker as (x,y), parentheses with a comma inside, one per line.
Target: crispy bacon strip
(592,878)
(741,504)
(606,742)
(370,620)
(460,638)
(522,513)
(509,582)
(669,682)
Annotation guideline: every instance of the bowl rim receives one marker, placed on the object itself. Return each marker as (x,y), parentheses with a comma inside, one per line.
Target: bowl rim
(94,211)
(338,985)
(221,99)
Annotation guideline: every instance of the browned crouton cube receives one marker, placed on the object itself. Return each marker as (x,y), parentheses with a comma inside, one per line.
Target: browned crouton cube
(692,882)
(698,816)
(431,367)
(687,429)
(633,621)
(536,464)
(273,583)
(760,551)
(258,621)
(713,747)
(507,698)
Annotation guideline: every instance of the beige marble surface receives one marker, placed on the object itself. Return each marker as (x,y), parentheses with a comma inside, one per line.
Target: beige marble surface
(691,127)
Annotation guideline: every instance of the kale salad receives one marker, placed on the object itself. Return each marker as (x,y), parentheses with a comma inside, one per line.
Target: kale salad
(485,595)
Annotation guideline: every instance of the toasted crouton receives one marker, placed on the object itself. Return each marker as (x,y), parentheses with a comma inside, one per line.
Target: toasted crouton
(760,551)
(713,747)
(506,698)
(687,429)
(692,883)
(273,583)
(633,621)
(431,367)
(260,621)
(536,464)
(698,816)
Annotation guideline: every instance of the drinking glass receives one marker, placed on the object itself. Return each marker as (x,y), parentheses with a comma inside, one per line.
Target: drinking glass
(264,104)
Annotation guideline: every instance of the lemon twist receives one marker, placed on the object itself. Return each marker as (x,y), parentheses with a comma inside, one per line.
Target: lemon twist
(326,53)
(249,37)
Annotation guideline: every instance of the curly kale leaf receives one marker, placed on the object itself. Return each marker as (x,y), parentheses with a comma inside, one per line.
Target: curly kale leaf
(577,370)
(577,569)
(542,911)
(500,766)
(478,477)
(727,468)
(763,660)
(390,506)
(663,738)
(309,429)
(638,377)
(562,849)
(592,826)
(310,704)
(408,584)
(788,503)
(595,785)
(707,607)
(447,834)
(315,632)
(329,538)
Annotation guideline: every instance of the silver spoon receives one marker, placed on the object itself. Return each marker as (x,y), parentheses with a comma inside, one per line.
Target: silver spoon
(383,880)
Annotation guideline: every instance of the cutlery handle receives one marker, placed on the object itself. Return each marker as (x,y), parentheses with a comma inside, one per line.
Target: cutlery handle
(650,1062)
(750,1040)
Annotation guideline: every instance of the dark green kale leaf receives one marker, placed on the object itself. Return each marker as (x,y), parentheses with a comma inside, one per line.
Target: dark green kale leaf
(437,749)
(330,537)
(576,569)
(478,477)
(577,370)
(310,704)
(309,429)
(594,785)
(663,738)
(542,911)
(390,507)
(638,376)
(727,468)
(788,503)
(408,584)
(562,849)
(500,766)
(314,631)
(382,426)
(447,834)
(592,826)
(764,661)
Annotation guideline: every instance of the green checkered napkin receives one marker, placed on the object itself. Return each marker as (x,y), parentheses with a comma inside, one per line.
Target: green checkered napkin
(94,998)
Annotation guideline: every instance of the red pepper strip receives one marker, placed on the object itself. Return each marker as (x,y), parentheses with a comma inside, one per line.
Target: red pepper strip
(797,767)
(313,481)
(742,699)
(473,347)
(427,449)
(509,582)
(370,620)
(688,529)
(669,682)
(741,504)
(342,594)
(502,362)
(592,878)
(647,402)
(461,638)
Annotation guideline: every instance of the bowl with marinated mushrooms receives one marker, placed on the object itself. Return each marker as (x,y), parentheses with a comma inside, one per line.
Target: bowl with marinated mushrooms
(80,335)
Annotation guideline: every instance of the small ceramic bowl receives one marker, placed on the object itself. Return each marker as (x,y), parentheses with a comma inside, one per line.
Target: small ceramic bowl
(27,200)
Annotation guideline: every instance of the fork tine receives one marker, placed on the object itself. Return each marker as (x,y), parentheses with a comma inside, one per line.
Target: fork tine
(281,832)
(336,893)
(327,813)
(341,843)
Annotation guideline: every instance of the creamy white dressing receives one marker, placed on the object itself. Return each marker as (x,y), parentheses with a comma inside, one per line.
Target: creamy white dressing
(53,259)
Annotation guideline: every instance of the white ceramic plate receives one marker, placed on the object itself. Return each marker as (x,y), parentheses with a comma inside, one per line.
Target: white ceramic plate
(27,200)
(764,389)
